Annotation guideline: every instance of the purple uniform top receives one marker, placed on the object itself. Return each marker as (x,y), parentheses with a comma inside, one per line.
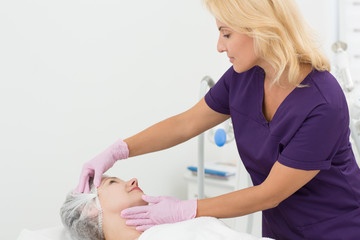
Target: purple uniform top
(309,131)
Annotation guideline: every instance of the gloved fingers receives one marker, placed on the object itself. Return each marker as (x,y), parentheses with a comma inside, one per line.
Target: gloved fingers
(138,212)
(83,186)
(138,216)
(87,185)
(97,178)
(151,199)
(85,176)
(144,227)
(139,222)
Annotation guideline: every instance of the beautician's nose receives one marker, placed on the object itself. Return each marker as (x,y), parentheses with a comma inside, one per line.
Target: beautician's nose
(220,46)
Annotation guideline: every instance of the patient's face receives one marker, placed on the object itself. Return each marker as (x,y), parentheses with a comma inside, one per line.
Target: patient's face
(116,194)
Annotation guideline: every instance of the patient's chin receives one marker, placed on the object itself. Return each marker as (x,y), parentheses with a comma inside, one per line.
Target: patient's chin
(142,203)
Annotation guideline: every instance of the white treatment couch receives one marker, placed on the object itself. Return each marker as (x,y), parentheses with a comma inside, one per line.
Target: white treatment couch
(203,228)
(54,233)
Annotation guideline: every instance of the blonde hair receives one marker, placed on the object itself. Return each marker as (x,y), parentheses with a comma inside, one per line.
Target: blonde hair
(281,35)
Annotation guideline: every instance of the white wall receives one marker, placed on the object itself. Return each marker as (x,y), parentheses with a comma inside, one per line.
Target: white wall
(320,15)
(77,75)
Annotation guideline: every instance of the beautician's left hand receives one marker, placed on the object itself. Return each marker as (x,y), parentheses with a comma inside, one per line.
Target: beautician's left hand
(161,210)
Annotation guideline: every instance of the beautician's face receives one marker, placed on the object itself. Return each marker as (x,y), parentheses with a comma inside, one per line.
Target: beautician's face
(116,194)
(238,47)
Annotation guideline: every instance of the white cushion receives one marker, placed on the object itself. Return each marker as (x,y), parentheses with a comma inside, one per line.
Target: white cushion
(54,233)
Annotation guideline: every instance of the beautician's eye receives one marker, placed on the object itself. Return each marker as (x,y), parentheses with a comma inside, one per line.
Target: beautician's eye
(112,181)
(226,36)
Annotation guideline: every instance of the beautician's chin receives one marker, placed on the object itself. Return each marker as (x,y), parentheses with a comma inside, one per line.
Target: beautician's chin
(240,69)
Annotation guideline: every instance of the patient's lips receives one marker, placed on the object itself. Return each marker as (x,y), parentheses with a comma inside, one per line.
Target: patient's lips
(136,188)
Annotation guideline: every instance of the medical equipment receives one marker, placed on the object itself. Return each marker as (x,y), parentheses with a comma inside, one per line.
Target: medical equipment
(342,73)
(342,65)
(220,135)
(351,90)
(347,29)
(205,83)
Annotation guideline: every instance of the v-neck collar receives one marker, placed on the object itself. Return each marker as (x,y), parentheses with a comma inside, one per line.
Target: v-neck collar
(261,78)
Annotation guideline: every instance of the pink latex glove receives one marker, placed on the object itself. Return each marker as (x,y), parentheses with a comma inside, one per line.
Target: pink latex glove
(161,210)
(100,164)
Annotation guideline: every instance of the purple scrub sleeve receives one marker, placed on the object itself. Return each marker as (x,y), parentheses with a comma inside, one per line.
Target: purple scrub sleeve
(309,131)
(316,141)
(220,104)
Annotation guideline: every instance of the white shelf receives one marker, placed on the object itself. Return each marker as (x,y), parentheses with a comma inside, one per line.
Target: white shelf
(225,183)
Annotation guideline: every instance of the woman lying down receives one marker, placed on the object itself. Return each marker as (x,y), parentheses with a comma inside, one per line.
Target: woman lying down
(96,216)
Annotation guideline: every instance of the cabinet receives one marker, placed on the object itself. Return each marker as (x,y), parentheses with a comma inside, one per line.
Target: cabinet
(212,188)
(216,187)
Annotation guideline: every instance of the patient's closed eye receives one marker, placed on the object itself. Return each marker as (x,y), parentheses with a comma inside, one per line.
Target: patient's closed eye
(112,180)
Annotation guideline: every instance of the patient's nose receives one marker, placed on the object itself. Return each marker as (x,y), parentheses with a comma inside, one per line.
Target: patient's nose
(132,182)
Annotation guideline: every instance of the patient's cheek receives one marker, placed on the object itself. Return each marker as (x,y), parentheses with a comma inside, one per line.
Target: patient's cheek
(121,204)
(109,203)
(114,201)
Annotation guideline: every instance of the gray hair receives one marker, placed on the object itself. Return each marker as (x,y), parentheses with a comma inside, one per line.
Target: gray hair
(81,214)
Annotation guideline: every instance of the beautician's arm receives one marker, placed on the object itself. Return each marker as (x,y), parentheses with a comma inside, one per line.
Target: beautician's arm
(162,135)
(281,183)
(175,130)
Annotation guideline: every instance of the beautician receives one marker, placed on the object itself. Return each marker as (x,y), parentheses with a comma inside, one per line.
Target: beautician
(291,124)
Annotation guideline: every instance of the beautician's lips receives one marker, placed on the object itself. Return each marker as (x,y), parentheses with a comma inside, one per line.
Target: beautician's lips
(231,59)
(136,188)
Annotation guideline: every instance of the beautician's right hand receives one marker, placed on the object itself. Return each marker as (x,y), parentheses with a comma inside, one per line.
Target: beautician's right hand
(162,209)
(100,164)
